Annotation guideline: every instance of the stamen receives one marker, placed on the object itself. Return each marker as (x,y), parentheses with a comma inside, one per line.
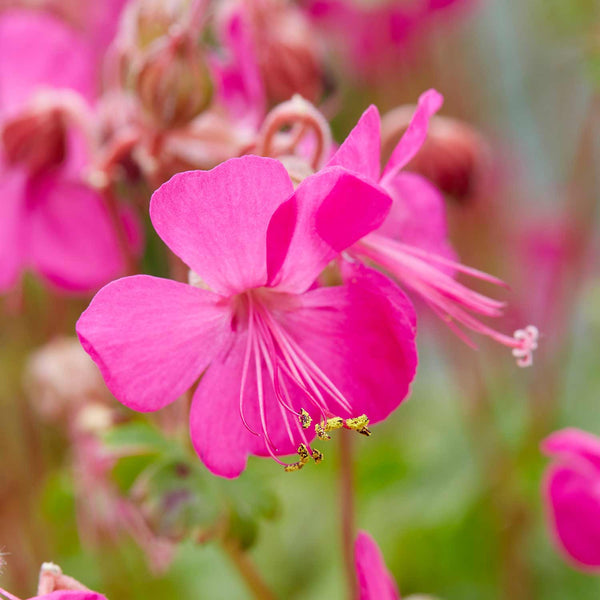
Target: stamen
(329,425)
(448,298)
(359,424)
(304,458)
(305,419)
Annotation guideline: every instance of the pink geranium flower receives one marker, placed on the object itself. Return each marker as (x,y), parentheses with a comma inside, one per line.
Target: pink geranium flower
(571,492)
(277,350)
(59,595)
(50,220)
(412,243)
(374,580)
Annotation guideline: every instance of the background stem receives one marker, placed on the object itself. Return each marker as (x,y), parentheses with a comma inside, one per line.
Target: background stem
(348,530)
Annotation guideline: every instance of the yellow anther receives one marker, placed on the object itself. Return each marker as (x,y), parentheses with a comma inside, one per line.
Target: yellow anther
(304,458)
(357,423)
(305,419)
(317,456)
(321,433)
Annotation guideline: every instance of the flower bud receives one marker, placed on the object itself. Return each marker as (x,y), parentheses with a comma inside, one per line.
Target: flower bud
(173,83)
(287,50)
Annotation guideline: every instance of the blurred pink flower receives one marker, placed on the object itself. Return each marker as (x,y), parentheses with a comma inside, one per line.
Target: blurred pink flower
(279,351)
(373,36)
(572,494)
(50,220)
(374,580)
(412,243)
(54,585)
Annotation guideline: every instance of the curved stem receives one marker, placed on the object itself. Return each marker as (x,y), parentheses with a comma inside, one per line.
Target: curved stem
(347,523)
(247,569)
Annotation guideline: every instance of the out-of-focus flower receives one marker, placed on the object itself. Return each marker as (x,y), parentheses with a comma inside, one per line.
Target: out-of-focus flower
(374,580)
(285,47)
(373,36)
(279,353)
(51,221)
(412,243)
(454,157)
(54,585)
(60,377)
(571,492)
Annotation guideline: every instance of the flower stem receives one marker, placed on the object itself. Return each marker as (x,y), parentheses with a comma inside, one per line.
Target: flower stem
(247,569)
(347,523)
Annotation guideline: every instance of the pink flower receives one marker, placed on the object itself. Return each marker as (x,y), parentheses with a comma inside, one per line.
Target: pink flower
(278,351)
(54,585)
(572,495)
(412,243)
(50,220)
(374,580)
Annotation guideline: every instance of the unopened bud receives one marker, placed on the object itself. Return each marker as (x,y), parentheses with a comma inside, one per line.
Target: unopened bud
(173,82)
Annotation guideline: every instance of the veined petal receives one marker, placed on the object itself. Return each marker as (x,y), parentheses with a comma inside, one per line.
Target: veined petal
(152,337)
(328,212)
(374,580)
(39,50)
(412,140)
(12,225)
(71,239)
(361,150)
(218,433)
(216,221)
(418,215)
(362,336)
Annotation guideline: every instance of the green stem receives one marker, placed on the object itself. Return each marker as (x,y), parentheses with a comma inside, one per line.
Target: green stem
(347,515)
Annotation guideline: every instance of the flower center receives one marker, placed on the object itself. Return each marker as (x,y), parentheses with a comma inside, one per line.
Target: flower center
(35,139)
(274,354)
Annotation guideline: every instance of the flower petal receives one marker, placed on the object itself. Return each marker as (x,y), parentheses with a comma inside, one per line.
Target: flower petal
(362,336)
(418,215)
(218,433)
(412,140)
(361,150)
(573,445)
(374,580)
(71,238)
(216,221)
(12,225)
(71,595)
(328,212)
(573,504)
(39,50)
(152,337)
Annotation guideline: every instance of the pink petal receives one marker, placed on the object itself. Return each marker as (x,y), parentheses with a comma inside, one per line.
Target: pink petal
(72,242)
(362,336)
(573,502)
(374,580)
(216,221)
(71,595)
(573,445)
(413,138)
(152,338)
(218,433)
(418,215)
(39,51)
(239,83)
(12,225)
(328,212)
(361,150)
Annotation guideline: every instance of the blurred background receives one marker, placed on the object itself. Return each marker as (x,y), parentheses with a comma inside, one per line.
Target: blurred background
(449,485)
